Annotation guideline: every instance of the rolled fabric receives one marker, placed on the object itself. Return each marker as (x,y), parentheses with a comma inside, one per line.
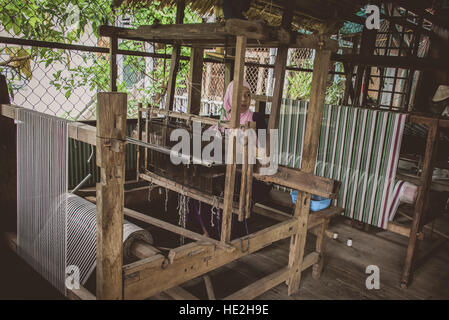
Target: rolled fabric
(82,236)
(131,233)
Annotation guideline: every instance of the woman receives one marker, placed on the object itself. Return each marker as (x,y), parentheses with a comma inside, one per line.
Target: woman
(211,226)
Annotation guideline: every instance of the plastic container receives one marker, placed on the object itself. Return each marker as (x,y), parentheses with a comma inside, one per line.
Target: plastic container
(317,203)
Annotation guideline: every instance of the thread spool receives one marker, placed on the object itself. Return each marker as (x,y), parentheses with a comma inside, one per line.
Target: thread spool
(349,242)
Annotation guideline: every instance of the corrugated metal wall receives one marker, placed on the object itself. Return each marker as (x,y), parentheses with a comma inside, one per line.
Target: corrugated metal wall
(80,152)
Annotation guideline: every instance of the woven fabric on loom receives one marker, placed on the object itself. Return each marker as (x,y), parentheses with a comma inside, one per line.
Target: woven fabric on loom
(41,194)
(359,147)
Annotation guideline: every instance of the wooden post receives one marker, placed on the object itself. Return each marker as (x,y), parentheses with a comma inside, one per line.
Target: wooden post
(312,134)
(234,124)
(249,178)
(229,68)
(139,150)
(279,77)
(423,192)
(195,80)
(174,64)
(111,137)
(319,248)
(113,47)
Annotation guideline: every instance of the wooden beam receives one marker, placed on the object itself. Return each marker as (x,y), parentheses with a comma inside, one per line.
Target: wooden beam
(175,229)
(234,124)
(111,126)
(266,283)
(195,81)
(279,77)
(184,116)
(209,287)
(313,125)
(185,190)
(144,279)
(300,180)
(218,34)
(174,62)
(393,62)
(179,293)
(423,194)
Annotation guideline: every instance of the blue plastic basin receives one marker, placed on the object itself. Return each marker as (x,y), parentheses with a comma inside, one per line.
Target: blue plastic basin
(317,203)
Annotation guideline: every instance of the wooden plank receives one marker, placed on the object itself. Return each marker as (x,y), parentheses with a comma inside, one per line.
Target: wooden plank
(303,181)
(76,130)
(195,81)
(185,190)
(234,123)
(313,125)
(190,117)
(260,286)
(175,229)
(149,278)
(111,125)
(80,294)
(209,287)
(179,293)
(393,61)
(216,34)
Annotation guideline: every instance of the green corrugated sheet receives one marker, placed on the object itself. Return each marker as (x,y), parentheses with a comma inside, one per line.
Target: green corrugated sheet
(79,153)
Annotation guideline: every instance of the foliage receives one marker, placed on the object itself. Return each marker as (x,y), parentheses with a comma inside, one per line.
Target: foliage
(300,83)
(52,20)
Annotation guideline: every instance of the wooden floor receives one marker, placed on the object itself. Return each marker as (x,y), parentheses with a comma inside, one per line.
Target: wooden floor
(343,276)
(344,273)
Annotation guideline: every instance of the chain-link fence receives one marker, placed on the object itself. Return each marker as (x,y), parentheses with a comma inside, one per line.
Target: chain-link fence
(61,63)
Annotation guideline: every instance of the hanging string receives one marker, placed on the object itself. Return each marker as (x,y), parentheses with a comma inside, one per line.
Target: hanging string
(166,199)
(242,238)
(150,189)
(183,208)
(214,210)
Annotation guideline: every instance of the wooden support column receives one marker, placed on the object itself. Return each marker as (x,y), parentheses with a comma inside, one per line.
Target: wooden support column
(195,80)
(312,134)
(279,72)
(234,124)
(113,47)
(423,192)
(174,62)
(229,68)
(111,137)
(279,76)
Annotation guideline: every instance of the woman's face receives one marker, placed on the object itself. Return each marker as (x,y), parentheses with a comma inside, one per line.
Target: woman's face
(246,99)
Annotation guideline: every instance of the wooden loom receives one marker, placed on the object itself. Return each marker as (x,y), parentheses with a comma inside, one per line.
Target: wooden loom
(153,273)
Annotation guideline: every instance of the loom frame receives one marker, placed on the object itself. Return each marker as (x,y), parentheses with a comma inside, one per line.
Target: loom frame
(151,275)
